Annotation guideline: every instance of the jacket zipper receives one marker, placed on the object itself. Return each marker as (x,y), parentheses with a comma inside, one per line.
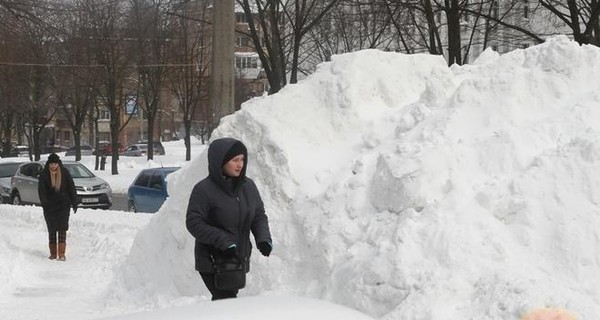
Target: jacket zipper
(240,229)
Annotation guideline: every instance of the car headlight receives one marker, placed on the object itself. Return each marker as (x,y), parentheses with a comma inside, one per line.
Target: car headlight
(104,186)
(6,190)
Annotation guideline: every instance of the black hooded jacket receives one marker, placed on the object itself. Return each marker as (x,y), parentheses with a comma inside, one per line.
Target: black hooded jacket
(217,207)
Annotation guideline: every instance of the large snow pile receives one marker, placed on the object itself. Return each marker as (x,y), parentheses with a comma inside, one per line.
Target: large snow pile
(409,190)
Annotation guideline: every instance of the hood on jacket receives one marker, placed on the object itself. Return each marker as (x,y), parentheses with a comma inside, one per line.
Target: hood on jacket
(216,154)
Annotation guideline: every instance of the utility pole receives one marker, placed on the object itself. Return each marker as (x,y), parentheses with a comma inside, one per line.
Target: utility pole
(222,72)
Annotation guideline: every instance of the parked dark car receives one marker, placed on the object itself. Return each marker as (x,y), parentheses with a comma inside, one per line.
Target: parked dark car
(92,191)
(7,170)
(158,146)
(19,151)
(23,151)
(148,191)
(53,148)
(85,151)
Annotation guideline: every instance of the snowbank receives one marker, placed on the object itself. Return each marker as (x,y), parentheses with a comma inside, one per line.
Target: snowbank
(409,190)
(249,308)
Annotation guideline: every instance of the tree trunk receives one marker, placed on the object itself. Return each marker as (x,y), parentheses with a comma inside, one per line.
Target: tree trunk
(188,147)
(454,41)
(278,78)
(77,138)
(431,27)
(36,143)
(114,141)
(295,59)
(151,119)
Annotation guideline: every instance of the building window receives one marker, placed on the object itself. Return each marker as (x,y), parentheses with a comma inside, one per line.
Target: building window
(246,62)
(66,137)
(103,114)
(240,17)
(243,41)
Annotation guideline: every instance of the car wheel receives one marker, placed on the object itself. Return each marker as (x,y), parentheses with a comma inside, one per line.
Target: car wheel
(16,199)
(131,206)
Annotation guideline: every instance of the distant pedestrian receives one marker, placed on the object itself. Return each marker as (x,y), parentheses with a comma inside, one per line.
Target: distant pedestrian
(56,189)
(223,208)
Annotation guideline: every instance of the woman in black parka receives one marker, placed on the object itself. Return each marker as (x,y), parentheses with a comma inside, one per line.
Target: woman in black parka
(56,189)
(218,205)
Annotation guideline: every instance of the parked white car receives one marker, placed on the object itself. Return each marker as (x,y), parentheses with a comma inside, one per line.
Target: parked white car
(7,171)
(136,150)
(92,191)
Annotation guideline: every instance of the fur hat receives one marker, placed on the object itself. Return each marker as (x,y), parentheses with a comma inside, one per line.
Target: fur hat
(236,149)
(53,158)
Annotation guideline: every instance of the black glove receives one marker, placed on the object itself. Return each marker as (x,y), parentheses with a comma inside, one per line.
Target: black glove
(265,248)
(230,252)
(74,208)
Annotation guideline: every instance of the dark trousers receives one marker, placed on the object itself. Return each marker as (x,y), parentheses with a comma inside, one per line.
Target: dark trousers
(209,282)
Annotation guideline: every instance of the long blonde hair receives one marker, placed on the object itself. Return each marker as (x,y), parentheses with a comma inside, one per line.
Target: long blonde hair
(56,178)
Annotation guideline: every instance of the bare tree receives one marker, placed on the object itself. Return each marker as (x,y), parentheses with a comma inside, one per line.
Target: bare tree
(265,21)
(494,15)
(112,44)
(278,29)
(149,26)
(40,102)
(392,25)
(10,90)
(580,16)
(465,23)
(190,57)
(23,9)
(303,15)
(353,25)
(77,80)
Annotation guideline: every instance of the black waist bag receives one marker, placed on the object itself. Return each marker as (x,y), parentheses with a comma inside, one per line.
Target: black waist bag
(230,274)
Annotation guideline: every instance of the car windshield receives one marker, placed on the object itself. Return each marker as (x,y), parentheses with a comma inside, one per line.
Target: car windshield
(78,170)
(8,169)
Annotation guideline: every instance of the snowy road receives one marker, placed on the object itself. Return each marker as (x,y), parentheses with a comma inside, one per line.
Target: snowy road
(119,202)
(34,287)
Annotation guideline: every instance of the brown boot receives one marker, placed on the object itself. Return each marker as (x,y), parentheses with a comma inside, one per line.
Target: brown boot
(53,248)
(62,246)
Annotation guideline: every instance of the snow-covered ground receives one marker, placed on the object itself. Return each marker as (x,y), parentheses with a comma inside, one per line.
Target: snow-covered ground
(395,186)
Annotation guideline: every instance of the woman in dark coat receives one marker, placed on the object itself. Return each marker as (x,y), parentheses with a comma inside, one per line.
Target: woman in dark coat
(56,189)
(218,206)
